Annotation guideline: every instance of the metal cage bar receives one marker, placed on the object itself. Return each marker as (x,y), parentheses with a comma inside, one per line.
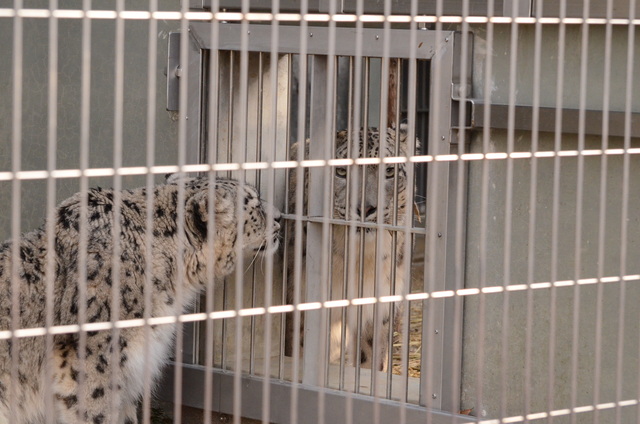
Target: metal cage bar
(529,219)
(316,38)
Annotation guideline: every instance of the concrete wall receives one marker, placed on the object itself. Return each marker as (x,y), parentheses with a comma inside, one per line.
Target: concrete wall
(35,97)
(596,323)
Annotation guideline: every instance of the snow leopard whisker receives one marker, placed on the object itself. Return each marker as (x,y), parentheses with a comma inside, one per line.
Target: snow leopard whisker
(255,255)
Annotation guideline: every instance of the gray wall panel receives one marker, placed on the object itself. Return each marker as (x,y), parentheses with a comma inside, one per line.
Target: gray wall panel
(35,95)
(488,336)
(597,9)
(494,326)
(500,56)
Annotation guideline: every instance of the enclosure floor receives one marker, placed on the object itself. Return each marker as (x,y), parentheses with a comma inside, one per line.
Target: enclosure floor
(163,412)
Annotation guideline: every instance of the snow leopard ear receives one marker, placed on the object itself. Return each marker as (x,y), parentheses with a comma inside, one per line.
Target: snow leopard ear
(342,137)
(175,177)
(293,150)
(197,215)
(403,134)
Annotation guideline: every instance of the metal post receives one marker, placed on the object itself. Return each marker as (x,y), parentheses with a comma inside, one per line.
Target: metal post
(313,357)
(440,193)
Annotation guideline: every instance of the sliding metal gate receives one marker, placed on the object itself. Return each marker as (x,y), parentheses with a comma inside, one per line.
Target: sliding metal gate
(253,89)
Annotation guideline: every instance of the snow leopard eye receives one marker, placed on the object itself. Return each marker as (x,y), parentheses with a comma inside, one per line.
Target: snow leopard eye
(390,172)
(341,172)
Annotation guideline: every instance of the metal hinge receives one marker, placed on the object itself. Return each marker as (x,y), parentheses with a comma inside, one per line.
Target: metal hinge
(174,72)
(461,87)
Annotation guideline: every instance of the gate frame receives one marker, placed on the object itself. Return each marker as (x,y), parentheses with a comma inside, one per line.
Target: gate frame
(440,392)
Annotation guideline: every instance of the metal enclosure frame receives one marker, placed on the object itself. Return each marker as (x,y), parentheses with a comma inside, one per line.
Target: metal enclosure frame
(426,7)
(439,387)
(530,311)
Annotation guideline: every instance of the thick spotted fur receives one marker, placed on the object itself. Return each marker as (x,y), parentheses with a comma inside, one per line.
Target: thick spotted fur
(98,376)
(363,205)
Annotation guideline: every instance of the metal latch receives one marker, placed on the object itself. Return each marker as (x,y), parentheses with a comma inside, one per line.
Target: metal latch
(174,72)
(462,84)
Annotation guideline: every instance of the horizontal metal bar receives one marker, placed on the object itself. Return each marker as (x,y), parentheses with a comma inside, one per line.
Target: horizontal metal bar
(267,5)
(573,8)
(280,397)
(429,7)
(318,40)
(225,167)
(597,9)
(570,119)
(172,15)
(349,223)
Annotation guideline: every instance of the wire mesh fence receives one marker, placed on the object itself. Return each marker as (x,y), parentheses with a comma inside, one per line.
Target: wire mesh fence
(397,211)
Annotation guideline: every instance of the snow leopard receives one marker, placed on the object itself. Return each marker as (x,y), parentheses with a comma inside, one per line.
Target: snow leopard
(101,379)
(359,281)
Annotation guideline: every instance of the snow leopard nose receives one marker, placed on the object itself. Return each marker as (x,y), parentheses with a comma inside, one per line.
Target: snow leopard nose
(368,210)
(277,216)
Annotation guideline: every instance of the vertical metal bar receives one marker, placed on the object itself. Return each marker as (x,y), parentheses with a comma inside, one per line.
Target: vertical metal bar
(180,213)
(555,211)
(332,87)
(405,306)
(195,148)
(287,281)
(450,383)
(393,117)
(432,369)
(337,93)
(117,199)
(355,116)
(212,153)
(325,133)
(254,289)
(602,221)
(313,360)
(533,189)
(300,177)
(508,214)
(270,183)
(16,165)
(625,210)
(579,191)
(377,313)
(85,125)
(230,112)
(455,279)
(52,126)
(239,272)
(348,259)
(484,216)
(232,73)
(151,150)
(257,180)
(302,106)
(362,176)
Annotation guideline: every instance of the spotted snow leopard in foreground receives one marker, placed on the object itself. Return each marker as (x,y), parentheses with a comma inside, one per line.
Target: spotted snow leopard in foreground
(102,401)
(366,207)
